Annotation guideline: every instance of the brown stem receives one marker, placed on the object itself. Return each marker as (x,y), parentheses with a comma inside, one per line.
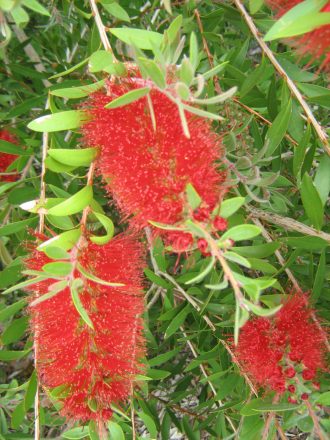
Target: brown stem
(269,420)
(100,26)
(287,223)
(280,430)
(317,426)
(291,85)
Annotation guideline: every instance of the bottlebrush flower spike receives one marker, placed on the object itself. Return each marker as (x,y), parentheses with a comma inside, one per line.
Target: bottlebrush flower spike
(146,170)
(316,43)
(5,158)
(93,367)
(273,351)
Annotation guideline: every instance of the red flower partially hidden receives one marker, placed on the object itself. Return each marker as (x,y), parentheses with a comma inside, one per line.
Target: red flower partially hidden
(282,6)
(5,158)
(146,170)
(93,367)
(316,43)
(274,351)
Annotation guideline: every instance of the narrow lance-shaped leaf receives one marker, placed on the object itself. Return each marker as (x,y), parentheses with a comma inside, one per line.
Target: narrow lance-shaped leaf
(128,97)
(73,204)
(82,157)
(75,286)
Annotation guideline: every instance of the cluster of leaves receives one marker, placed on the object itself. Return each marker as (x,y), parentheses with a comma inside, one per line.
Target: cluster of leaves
(278,172)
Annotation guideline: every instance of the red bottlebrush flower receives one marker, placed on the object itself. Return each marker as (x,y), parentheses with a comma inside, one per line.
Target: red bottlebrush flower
(201,214)
(267,360)
(315,43)
(147,170)
(180,241)
(291,388)
(308,374)
(5,158)
(202,245)
(282,6)
(290,372)
(95,367)
(220,223)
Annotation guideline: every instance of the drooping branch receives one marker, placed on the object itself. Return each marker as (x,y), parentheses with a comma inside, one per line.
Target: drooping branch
(291,85)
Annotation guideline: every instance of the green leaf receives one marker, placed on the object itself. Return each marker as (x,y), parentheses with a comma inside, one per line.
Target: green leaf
(74,157)
(35,6)
(65,241)
(162,358)
(18,415)
(72,69)
(108,226)
(255,5)
(8,147)
(128,97)
(217,99)
(116,433)
(260,311)
(300,19)
(177,321)
(203,273)
(78,304)
(153,71)
(15,330)
(55,289)
(76,433)
(310,243)
(30,391)
(58,268)
(166,227)
(9,311)
(12,228)
(236,258)
(8,356)
(149,423)
(324,399)
(141,38)
(73,204)
(67,120)
(100,60)
(230,206)
(322,180)
(312,202)
(319,277)
(158,374)
(202,113)
(78,92)
(194,199)
(93,430)
(193,51)
(174,29)
(186,72)
(116,10)
(94,278)
(23,284)
(241,232)
(277,130)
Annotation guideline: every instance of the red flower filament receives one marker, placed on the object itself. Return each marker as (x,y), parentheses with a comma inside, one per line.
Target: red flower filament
(93,367)
(267,347)
(147,170)
(5,158)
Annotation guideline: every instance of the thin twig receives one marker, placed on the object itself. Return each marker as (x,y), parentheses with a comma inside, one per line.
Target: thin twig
(203,370)
(317,426)
(291,85)
(269,419)
(287,223)
(100,26)
(280,430)
(291,277)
